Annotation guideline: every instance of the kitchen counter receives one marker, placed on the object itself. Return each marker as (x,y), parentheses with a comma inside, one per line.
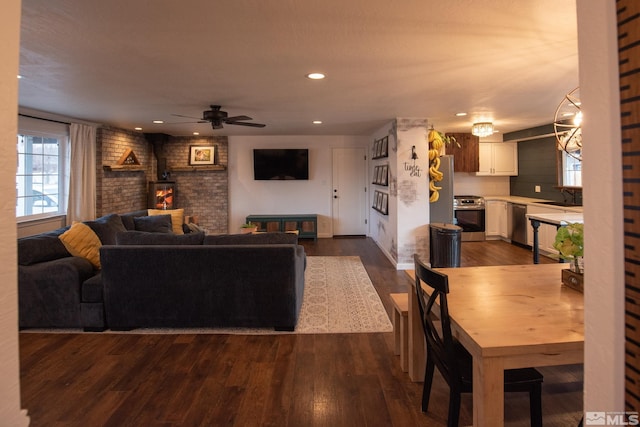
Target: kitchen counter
(555,219)
(533,201)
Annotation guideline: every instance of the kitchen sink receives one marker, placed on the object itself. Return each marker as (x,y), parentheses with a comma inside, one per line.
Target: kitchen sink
(559,204)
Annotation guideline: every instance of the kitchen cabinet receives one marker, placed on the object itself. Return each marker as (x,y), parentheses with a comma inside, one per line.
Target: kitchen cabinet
(498,158)
(465,157)
(496,219)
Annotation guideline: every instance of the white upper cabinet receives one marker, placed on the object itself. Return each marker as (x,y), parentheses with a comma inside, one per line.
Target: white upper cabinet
(498,158)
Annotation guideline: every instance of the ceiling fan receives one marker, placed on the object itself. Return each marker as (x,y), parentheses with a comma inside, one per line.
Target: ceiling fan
(217,118)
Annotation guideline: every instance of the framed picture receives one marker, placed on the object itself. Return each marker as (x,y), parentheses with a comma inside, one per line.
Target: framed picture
(385,147)
(202,155)
(385,203)
(384,176)
(376,179)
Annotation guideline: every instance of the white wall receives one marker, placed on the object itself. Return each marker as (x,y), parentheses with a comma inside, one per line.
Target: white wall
(405,230)
(250,197)
(604,252)
(10,413)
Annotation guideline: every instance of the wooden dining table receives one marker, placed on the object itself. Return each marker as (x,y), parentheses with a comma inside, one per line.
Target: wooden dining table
(510,316)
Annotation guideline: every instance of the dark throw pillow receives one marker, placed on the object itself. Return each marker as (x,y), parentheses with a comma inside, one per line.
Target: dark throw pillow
(106,228)
(145,238)
(42,247)
(154,224)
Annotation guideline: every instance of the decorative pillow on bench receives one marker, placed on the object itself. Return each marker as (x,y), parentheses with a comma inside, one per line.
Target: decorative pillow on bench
(144,238)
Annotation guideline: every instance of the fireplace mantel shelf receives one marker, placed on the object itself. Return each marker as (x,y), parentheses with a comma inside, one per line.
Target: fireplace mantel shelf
(197,168)
(123,168)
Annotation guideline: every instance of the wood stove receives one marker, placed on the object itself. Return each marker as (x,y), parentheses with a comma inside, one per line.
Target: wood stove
(162,194)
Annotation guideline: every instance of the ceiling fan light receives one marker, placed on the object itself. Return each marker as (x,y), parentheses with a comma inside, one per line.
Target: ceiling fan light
(482,129)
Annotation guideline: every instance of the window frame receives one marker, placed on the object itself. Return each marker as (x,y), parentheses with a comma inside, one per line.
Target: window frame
(43,128)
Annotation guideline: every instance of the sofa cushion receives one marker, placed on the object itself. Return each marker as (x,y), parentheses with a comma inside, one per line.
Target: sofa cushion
(42,247)
(92,289)
(144,238)
(81,241)
(127,218)
(106,228)
(154,224)
(177,217)
(252,239)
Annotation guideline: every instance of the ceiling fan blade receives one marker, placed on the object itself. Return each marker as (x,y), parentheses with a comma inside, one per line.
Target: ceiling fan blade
(188,117)
(185,123)
(236,118)
(255,125)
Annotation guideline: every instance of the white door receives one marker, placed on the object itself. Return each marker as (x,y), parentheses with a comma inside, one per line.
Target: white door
(349,191)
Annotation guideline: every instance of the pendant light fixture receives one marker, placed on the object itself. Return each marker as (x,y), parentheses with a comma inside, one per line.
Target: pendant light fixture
(482,129)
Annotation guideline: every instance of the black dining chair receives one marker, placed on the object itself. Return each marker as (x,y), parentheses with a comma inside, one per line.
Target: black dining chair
(452,360)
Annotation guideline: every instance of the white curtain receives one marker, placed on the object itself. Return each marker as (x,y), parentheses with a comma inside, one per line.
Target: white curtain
(82,173)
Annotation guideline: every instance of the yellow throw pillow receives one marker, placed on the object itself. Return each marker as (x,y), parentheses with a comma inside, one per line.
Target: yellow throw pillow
(81,241)
(177,217)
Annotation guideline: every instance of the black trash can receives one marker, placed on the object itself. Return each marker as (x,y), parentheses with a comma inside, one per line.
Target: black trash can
(444,241)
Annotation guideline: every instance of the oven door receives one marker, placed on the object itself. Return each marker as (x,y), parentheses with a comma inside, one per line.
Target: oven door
(472,223)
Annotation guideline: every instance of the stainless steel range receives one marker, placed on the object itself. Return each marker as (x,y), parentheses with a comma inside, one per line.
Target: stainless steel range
(469,214)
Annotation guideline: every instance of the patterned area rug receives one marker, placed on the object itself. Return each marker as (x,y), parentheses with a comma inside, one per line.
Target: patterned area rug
(338,298)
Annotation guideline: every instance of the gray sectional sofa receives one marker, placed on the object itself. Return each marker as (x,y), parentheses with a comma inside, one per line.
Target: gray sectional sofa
(152,279)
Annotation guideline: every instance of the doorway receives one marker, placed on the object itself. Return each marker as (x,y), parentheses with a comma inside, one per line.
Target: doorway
(349,194)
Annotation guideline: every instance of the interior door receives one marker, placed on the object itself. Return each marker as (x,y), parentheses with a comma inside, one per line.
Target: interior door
(349,191)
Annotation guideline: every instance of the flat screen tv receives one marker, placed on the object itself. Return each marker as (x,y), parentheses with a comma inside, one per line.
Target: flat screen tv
(280,164)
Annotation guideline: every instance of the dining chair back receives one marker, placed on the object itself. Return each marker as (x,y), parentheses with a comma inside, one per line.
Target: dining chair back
(453,361)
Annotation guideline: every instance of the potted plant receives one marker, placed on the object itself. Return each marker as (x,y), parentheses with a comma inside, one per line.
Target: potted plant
(570,245)
(249,227)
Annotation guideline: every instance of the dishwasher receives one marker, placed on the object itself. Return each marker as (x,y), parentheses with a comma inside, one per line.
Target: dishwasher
(518,232)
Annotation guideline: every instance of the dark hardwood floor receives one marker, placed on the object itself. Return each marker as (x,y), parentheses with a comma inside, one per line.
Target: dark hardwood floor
(98,379)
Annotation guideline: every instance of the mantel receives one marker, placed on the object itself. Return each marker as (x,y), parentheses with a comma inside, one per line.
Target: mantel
(214,168)
(123,168)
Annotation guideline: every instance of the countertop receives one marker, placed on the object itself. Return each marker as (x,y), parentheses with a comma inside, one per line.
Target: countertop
(534,202)
(560,218)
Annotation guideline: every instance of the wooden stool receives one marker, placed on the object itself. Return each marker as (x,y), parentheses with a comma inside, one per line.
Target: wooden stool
(401,328)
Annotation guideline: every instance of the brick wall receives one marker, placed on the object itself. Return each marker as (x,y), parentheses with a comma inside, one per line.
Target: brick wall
(200,193)
(121,191)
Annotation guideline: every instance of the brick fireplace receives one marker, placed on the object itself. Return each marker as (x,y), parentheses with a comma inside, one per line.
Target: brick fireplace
(201,192)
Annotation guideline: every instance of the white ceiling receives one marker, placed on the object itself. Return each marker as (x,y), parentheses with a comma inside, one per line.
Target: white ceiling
(126,63)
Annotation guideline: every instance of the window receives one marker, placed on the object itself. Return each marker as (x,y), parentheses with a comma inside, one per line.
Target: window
(40,177)
(571,170)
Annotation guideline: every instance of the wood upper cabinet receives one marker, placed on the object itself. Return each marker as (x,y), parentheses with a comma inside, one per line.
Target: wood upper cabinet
(465,157)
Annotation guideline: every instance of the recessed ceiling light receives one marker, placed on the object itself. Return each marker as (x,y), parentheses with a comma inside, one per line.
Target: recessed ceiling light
(158,121)
(19,76)
(138,128)
(196,133)
(316,76)
(461,114)
(317,122)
